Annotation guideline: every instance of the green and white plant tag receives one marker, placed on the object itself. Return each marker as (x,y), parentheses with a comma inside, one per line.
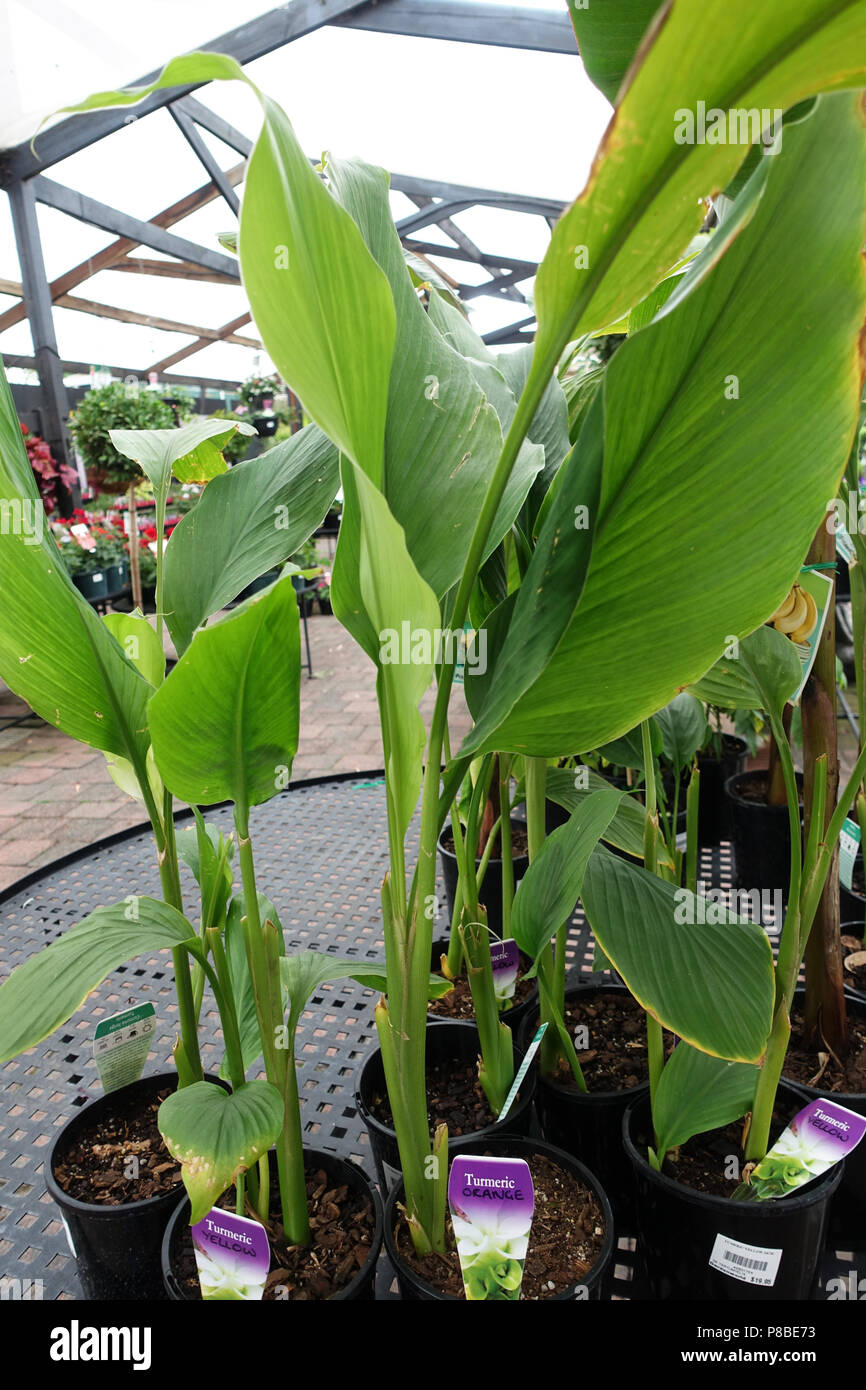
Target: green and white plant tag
(521,1071)
(820,586)
(849,843)
(121,1044)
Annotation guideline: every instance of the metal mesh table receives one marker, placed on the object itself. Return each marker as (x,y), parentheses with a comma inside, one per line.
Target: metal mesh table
(321,854)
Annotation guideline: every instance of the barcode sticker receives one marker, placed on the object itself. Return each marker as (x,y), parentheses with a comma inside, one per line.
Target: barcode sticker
(750,1263)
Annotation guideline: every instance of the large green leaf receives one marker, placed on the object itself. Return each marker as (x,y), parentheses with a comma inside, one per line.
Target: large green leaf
(380,597)
(713,985)
(192,454)
(766,668)
(608,37)
(625,831)
(686,467)
(319,300)
(444,428)
(643,200)
(548,891)
(54,651)
(698,1093)
(44,991)
(246,522)
(215,1135)
(225,722)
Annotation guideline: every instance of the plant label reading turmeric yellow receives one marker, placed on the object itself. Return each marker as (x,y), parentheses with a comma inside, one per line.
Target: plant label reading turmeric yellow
(819,1135)
(232,1255)
(492,1201)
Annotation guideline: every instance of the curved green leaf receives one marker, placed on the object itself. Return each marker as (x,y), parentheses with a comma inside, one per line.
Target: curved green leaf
(242,985)
(216,1135)
(730,684)
(140,643)
(625,831)
(713,985)
(548,891)
(443,435)
(687,465)
(54,651)
(683,727)
(608,37)
(249,520)
(644,198)
(698,1093)
(225,723)
(303,971)
(192,454)
(44,991)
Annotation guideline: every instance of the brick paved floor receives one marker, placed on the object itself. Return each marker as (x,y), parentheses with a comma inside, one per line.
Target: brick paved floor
(56,795)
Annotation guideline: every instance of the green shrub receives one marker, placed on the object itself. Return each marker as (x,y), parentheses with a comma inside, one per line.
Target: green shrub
(112,407)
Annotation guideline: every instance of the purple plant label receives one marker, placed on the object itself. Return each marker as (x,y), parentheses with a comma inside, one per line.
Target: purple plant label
(232,1255)
(820,1135)
(505,959)
(492,1201)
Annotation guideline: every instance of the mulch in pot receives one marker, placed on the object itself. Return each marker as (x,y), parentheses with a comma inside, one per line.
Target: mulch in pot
(342,1225)
(565,1241)
(93,1168)
(855,974)
(700,1164)
(458,1003)
(454,1098)
(846,1075)
(616,1059)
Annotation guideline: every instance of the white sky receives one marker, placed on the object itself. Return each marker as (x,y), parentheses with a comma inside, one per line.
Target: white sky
(496,118)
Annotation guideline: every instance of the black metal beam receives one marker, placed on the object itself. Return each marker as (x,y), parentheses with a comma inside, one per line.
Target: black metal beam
(496,288)
(37,302)
(246,43)
(210,121)
(453,253)
(192,135)
(511,334)
(505,26)
(122,224)
(173,378)
(466,193)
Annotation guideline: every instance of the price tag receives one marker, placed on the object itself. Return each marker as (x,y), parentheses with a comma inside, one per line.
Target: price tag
(232,1256)
(121,1044)
(751,1264)
(849,843)
(505,959)
(492,1202)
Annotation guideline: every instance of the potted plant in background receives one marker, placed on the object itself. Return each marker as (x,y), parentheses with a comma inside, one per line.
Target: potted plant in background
(53,479)
(119,405)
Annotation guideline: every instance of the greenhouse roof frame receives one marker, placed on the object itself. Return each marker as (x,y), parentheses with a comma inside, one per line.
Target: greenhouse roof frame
(23,177)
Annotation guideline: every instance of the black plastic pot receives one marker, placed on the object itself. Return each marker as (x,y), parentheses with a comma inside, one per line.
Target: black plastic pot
(589,1126)
(856,929)
(445,1042)
(592,1287)
(490,895)
(678,1228)
(513,1017)
(761,837)
(714,815)
(92,584)
(848,1208)
(852,903)
(117,1249)
(361,1287)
